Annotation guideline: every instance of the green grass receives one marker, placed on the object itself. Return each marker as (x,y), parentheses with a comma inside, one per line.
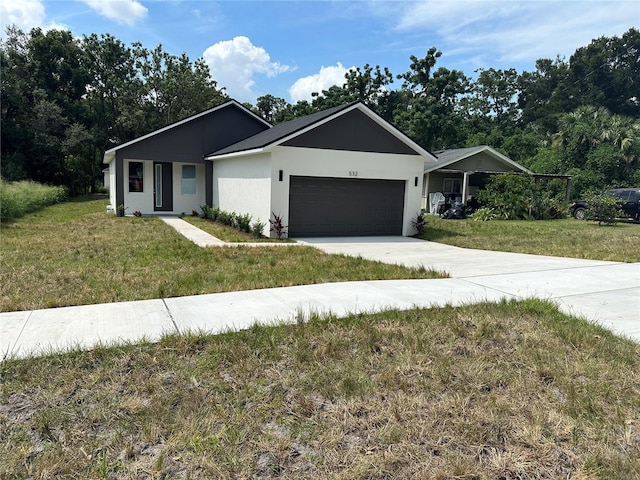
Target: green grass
(560,238)
(20,198)
(74,254)
(509,390)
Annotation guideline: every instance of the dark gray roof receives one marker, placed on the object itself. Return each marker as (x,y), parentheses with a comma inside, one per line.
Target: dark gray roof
(449,157)
(445,157)
(280,131)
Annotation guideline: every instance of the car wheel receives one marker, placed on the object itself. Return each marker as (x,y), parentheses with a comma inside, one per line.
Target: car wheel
(579,213)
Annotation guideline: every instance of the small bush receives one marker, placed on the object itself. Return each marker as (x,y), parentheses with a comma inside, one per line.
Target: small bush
(210,213)
(257,228)
(419,224)
(20,198)
(226,218)
(602,209)
(120,210)
(483,215)
(279,228)
(137,213)
(243,222)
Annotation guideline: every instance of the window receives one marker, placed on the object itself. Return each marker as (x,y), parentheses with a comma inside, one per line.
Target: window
(136,176)
(188,180)
(452,185)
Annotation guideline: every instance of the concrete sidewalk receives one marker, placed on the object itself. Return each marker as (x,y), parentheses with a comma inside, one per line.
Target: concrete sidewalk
(603,292)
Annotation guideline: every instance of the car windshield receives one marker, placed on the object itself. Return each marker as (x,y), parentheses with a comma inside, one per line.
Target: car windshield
(621,194)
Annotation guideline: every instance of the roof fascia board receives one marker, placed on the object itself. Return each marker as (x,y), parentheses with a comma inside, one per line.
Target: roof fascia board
(241,153)
(186,120)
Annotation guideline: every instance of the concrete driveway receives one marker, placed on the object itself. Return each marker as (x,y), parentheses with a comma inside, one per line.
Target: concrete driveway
(607,293)
(457,262)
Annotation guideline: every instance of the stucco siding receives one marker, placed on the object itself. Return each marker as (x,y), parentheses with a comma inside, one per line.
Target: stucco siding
(185,203)
(139,201)
(243,185)
(346,164)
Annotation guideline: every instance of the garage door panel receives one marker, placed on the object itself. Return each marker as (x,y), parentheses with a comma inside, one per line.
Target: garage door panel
(320,206)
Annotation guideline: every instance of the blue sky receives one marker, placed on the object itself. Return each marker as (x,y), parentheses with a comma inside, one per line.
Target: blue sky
(291,48)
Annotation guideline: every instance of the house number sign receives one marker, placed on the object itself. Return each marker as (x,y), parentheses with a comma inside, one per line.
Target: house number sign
(353,173)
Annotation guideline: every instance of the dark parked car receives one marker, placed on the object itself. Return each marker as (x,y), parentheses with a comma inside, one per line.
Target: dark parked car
(628,200)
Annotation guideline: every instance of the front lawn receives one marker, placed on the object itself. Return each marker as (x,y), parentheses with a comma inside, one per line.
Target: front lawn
(75,253)
(558,238)
(503,391)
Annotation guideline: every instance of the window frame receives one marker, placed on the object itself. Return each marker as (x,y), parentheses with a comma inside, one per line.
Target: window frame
(192,181)
(136,177)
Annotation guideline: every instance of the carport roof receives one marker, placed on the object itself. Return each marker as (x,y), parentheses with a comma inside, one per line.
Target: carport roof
(444,158)
(284,131)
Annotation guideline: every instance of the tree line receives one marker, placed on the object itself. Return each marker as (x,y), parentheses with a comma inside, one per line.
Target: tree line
(66,100)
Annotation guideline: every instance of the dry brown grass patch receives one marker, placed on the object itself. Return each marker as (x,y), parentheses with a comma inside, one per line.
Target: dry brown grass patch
(515,390)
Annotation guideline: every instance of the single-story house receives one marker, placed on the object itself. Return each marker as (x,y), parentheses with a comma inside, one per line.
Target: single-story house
(342,171)
(458,174)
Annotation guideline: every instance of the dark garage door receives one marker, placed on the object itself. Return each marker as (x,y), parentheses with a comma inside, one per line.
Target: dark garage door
(322,207)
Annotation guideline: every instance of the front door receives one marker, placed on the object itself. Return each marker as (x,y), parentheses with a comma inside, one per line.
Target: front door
(162,187)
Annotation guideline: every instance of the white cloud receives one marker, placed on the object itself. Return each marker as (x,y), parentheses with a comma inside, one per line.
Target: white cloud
(25,14)
(325,78)
(126,12)
(502,32)
(233,64)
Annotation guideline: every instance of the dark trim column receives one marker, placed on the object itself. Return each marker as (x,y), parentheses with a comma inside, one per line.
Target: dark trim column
(120,185)
(208,183)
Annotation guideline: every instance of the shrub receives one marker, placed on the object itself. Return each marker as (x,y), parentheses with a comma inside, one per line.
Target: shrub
(120,210)
(257,228)
(277,226)
(509,195)
(602,209)
(137,213)
(243,222)
(517,197)
(225,218)
(20,198)
(483,215)
(419,224)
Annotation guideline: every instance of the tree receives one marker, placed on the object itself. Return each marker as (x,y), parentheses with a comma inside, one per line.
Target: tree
(599,148)
(493,97)
(429,107)
(606,73)
(368,85)
(15,104)
(57,68)
(273,109)
(546,93)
